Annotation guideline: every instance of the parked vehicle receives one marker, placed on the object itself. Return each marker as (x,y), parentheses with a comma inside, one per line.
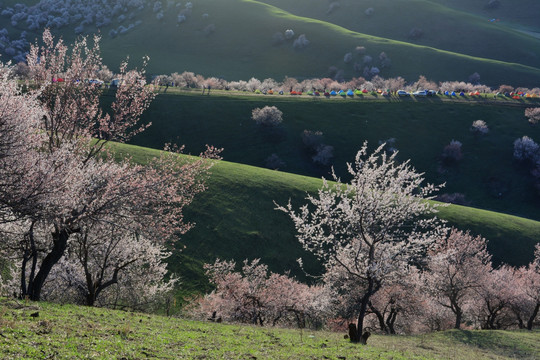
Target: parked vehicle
(403,93)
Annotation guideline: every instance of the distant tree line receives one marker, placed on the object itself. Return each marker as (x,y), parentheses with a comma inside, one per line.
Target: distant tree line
(191,80)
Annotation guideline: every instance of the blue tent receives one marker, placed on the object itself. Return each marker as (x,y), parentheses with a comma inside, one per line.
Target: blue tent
(350,92)
(333,93)
(453,93)
(462,94)
(446,93)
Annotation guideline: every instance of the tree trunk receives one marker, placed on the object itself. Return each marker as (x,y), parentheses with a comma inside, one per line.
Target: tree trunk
(380,318)
(533,316)
(391,320)
(60,239)
(90,297)
(361,316)
(23,276)
(459,315)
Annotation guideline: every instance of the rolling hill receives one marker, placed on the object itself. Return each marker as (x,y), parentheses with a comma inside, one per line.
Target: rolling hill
(487,175)
(235,219)
(521,14)
(436,25)
(206,41)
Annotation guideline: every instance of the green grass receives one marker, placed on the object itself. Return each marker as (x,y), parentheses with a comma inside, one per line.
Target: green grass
(522,14)
(487,176)
(243,48)
(73,332)
(235,219)
(444,28)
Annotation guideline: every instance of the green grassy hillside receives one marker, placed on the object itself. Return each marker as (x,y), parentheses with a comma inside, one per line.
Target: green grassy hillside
(523,13)
(487,175)
(243,48)
(443,27)
(235,219)
(77,332)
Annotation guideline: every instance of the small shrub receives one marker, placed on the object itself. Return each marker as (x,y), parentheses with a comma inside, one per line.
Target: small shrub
(289,34)
(274,162)
(360,50)
(479,127)
(386,63)
(301,42)
(369,11)
(505,89)
(324,154)
(525,149)
(533,114)
(474,78)
(493,4)
(416,33)
(347,58)
(312,139)
(452,152)
(333,7)
(267,116)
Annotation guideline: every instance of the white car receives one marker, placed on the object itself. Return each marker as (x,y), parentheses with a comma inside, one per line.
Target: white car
(402,93)
(420,93)
(95,82)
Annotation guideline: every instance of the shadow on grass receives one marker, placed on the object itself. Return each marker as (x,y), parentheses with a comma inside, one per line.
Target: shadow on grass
(498,342)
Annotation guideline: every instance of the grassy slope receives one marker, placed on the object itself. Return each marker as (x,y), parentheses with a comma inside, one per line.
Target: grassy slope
(69,332)
(243,48)
(444,28)
(487,175)
(249,40)
(523,14)
(235,219)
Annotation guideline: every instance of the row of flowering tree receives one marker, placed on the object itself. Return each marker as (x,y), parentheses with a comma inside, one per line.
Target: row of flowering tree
(389,264)
(73,221)
(189,79)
